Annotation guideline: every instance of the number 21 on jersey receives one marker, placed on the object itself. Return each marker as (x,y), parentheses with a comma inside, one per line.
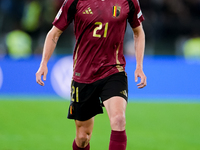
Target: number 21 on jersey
(99,27)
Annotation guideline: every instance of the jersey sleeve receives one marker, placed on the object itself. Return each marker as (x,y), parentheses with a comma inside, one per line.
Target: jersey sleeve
(135,15)
(65,15)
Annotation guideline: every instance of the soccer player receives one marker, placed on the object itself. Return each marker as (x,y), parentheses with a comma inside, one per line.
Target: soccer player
(99,77)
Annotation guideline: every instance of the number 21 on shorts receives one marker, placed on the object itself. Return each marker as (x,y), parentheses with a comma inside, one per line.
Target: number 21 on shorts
(74,94)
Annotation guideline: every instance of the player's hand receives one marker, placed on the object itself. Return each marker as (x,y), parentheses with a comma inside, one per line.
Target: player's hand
(139,73)
(42,71)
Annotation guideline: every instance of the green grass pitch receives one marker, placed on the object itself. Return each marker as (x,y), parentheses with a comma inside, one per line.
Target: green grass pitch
(42,125)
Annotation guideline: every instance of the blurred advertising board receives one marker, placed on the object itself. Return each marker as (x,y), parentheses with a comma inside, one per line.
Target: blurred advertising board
(169,78)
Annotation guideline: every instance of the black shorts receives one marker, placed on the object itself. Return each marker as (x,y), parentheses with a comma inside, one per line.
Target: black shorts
(87,99)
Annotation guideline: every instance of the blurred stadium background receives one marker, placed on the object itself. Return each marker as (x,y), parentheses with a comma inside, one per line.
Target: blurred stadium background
(166,112)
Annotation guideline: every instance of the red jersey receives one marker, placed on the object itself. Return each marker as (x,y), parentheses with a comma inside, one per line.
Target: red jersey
(99,27)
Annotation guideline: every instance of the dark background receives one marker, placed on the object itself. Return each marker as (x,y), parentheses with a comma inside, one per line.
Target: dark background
(168,25)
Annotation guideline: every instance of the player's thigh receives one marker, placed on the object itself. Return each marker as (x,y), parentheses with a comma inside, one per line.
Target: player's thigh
(115,94)
(115,106)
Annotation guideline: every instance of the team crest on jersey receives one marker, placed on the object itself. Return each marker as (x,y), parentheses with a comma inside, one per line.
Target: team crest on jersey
(116,11)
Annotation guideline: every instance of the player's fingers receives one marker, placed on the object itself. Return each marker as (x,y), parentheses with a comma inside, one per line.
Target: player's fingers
(143,82)
(136,77)
(38,79)
(40,82)
(45,76)
(141,85)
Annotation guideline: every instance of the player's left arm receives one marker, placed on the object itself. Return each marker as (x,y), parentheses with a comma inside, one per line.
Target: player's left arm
(139,43)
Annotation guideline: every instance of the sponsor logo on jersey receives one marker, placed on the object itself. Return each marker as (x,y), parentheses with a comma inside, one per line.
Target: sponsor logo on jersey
(1,77)
(88,11)
(116,11)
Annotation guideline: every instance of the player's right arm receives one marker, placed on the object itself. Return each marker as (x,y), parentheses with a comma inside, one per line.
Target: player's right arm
(49,47)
